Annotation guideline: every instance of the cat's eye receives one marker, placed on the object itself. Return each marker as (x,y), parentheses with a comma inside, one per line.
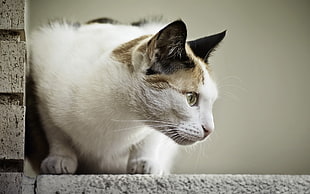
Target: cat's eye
(192,98)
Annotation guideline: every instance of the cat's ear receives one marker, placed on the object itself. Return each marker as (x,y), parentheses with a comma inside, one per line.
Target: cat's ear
(166,46)
(203,47)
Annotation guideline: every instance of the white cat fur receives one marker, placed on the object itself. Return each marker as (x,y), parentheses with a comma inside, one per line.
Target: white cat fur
(86,102)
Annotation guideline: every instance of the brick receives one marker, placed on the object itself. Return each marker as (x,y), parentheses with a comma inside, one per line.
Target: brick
(12,123)
(12,14)
(11,183)
(12,63)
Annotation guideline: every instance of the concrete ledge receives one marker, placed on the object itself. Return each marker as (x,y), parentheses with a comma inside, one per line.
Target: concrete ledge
(173,184)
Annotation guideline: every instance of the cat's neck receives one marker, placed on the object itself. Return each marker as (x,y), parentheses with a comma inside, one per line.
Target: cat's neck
(119,90)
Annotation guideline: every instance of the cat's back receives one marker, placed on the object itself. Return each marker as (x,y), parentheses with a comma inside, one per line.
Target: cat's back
(76,49)
(65,39)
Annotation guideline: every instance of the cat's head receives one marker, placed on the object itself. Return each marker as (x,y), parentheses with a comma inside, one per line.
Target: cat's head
(176,91)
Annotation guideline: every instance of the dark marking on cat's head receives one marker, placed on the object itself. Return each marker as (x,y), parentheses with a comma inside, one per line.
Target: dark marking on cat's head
(203,47)
(75,25)
(103,20)
(172,62)
(186,80)
(168,60)
(166,50)
(140,22)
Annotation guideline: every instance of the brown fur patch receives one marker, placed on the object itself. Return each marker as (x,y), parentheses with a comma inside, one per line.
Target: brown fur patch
(183,80)
(198,62)
(123,53)
(103,21)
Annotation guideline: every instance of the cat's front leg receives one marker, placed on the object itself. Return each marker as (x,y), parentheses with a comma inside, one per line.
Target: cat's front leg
(144,165)
(153,155)
(58,164)
(62,158)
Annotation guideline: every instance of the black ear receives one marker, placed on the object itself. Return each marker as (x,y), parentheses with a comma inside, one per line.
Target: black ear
(170,41)
(167,47)
(202,47)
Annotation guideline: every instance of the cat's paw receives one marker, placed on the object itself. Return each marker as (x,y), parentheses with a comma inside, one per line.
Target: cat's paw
(58,165)
(143,166)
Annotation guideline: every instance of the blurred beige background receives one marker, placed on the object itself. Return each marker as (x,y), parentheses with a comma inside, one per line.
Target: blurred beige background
(262,67)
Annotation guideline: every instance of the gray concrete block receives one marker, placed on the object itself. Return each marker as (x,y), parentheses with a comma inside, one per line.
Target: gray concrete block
(12,14)
(12,125)
(11,183)
(173,184)
(12,63)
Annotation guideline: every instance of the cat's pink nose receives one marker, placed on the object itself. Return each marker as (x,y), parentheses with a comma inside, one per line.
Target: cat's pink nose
(206,131)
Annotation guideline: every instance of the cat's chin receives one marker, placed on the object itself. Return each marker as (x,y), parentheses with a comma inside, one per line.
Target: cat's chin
(183,138)
(184,142)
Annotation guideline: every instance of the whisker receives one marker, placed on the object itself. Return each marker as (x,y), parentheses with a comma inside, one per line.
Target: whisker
(175,135)
(229,95)
(166,125)
(198,156)
(232,86)
(230,79)
(127,128)
(138,120)
(140,126)
(202,152)
(169,132)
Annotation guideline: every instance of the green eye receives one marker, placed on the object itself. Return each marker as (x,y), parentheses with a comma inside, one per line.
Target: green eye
(192,98)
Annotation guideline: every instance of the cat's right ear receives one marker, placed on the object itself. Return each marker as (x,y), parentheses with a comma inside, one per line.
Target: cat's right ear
(166,46)
(203,47)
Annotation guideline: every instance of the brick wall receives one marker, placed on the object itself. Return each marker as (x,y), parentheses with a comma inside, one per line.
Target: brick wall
(12,88)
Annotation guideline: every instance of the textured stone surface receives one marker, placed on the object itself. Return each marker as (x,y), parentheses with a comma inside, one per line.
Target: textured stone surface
(11,183)
(173,184)
(12,14)
(12,63)
(12,132)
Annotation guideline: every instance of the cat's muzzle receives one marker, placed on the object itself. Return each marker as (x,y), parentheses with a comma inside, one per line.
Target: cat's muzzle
(185,138)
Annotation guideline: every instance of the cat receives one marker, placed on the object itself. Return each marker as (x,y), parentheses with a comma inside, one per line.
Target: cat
(116,98)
